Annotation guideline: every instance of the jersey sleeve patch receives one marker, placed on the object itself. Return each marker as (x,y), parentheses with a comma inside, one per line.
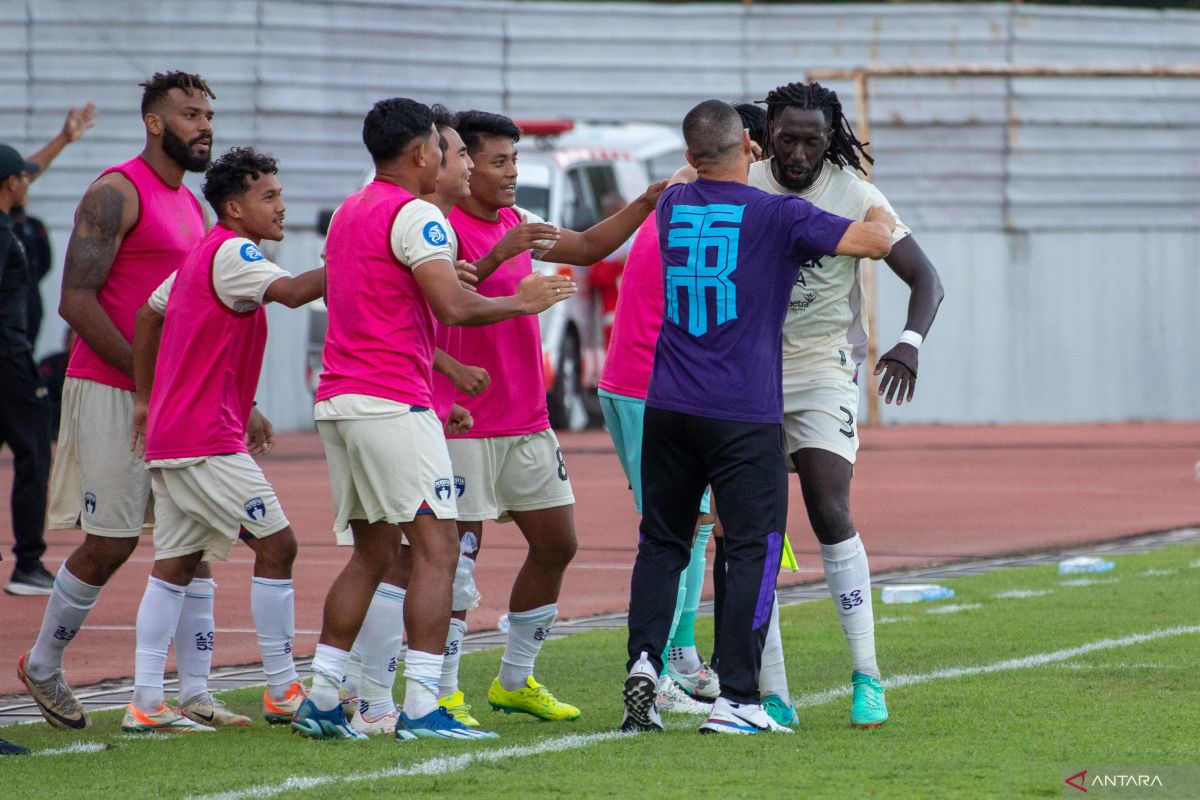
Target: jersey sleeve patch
(435,234)
(251,253)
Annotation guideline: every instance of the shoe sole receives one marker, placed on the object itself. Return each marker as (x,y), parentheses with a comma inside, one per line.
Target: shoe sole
(25,590)
(312,729)
(279,719)
(52,716)
(727,730)
(215,722)
(867,725)
(639,693)
(164,729)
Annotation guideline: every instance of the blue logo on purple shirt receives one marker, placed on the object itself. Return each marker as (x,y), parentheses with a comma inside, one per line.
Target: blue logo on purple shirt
(712,229)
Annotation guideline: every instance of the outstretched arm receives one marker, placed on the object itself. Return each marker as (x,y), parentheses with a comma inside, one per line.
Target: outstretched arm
(454,305)
(107,212)
(899,365)
(77,122)
(295,292)
(599,241)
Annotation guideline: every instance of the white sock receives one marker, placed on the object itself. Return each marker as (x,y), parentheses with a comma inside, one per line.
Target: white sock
(273,604)
(772,675)
(70,602)
(328,668)
(526,632)
(156,620)
(378,644)
(195,636)
(849,579)
(421,673)
(451,655)
(684,659)
(353,675)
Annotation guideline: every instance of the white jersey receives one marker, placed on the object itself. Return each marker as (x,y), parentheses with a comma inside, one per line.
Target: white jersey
(825,309)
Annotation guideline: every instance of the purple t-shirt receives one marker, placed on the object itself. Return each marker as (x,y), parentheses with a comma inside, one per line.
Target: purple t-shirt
(730,256)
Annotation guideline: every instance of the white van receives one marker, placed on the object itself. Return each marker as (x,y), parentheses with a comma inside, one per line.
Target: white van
(566,170)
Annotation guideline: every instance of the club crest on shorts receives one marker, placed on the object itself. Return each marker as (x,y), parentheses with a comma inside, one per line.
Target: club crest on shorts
(441,488)
(435,234)
(255,508)
(89,503)
(460,485)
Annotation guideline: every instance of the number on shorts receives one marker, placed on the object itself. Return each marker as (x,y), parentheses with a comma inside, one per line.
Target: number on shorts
(847,431)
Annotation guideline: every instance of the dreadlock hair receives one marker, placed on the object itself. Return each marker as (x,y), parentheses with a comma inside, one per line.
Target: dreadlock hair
(844,147)
(229,176)
(754,120)
(156,88)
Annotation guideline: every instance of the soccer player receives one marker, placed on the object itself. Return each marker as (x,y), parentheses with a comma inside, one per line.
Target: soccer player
(510,465)
(390,272)
(713,413)
(814,154)
(371,671)
(197,354)
(133,227)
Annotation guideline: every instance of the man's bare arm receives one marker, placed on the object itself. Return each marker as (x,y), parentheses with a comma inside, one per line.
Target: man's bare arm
(77,122)
(599,241)
(295,292)
(107,212)
(899,365)
(147,336)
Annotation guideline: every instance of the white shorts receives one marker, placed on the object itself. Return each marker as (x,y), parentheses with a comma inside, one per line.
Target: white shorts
(388,468)
(96,481)
(822,412)
(204,504)
(509,473)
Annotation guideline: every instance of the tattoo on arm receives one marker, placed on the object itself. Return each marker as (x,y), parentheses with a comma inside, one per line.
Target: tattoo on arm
(95,239)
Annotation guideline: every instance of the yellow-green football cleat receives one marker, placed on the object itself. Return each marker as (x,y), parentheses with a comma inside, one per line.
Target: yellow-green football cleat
(533,699)
(456,704)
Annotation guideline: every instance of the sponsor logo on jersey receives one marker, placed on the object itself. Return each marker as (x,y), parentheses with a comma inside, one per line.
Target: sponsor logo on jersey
(435,234)
(251,253)
(256,508)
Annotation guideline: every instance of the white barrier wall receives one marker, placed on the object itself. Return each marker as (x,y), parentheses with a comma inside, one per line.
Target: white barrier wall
(1061,212)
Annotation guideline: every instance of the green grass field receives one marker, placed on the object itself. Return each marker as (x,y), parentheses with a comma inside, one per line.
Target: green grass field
(1032,675)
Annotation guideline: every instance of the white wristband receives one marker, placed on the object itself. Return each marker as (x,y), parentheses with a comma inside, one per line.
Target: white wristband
(913,338)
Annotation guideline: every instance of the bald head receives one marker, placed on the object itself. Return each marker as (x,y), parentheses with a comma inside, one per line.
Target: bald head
(713,131)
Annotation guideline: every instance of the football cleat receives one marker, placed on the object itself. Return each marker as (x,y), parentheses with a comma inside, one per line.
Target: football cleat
(313,723)
(54,698)
(458,708)
(781,711)
(164,720)
(8,748)
(703,684)
(673,699)
(868,709)
(384,723)
(208,710)
(281,712)
(533,699)
(438,724)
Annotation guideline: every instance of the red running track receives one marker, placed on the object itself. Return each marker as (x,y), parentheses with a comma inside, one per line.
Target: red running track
(922,495)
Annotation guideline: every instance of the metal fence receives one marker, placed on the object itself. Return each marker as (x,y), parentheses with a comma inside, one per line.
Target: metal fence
(1062,213)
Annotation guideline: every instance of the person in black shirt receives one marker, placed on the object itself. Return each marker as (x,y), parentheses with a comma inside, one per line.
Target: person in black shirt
(24,407)
(33,234)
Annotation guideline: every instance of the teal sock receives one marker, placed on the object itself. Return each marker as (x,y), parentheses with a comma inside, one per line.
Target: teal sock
(684,634)
(679,602)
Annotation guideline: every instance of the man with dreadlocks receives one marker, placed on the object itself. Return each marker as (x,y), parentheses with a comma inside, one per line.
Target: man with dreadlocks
(133,227)
(813,152)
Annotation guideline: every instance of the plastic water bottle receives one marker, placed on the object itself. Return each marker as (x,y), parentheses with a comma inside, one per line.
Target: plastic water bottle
(916,593)
(502,623)
(1081,564)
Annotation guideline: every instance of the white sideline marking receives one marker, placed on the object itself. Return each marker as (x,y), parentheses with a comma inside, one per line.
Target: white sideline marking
(1089,581)
(953,608)
(447,764)
(1019,593)
(433,766)
(78,747)
(1154,573)
(886,620)
(1036,660)
(1195,564)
